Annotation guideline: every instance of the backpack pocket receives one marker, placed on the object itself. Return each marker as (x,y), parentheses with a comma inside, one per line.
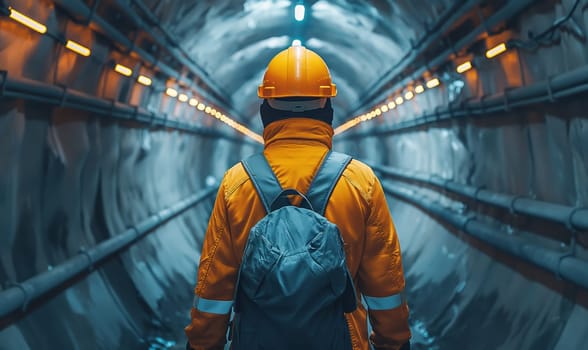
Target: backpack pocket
(260,257)
(328,259)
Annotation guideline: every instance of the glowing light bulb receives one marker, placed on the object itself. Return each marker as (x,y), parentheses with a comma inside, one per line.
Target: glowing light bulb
(464,67)
(299,11)
(124,70)
(78,48)
(171,92)
(496,50)
(433,83)
(144,80)
(27,21)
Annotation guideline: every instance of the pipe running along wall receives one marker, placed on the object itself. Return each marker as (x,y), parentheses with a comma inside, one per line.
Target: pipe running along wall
(22,88)
(566,85)
(574,218)
(560,263)
(19,296)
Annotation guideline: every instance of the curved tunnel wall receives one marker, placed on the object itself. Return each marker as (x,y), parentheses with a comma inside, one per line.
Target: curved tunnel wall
(99,175)
(71,178)
(461,289)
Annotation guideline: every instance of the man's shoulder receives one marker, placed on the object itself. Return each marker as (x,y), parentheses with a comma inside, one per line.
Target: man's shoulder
(361,177)
(234,178)
(359,170)
(236,171)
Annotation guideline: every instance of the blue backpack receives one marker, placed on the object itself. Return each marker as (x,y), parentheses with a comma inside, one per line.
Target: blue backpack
(293,286)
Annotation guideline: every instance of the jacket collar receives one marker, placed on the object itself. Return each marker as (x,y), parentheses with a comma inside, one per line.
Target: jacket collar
(298,130)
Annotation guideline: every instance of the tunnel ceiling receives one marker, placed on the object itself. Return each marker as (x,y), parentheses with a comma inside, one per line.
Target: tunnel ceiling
(233,41)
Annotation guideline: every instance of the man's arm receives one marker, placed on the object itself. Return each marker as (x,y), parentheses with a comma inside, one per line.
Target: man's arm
(381,277)
(217,274)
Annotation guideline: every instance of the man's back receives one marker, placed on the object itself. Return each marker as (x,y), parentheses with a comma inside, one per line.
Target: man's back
(297,117)
(295,149)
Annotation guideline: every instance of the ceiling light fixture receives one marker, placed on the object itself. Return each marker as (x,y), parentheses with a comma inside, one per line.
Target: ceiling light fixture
(496,50)
(171,92)
(433,83)
(124,70)
(464,67)
(144,80)
(27,21)
(78,48)
(299,11)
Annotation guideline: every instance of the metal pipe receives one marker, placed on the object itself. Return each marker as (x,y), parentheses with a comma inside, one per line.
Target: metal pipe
(571,217)
(512,8)
(561,86)
(562,264)
(20,295)
(81,10)
(64,97)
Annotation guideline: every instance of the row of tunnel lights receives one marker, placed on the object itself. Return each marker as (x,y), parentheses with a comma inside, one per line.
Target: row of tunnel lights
(142,79)
(410,94)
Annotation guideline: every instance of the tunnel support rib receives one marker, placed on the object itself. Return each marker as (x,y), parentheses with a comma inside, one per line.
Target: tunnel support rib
(19,296)
(79,9)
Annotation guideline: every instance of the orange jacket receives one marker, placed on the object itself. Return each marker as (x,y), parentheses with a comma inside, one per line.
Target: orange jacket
(295,148)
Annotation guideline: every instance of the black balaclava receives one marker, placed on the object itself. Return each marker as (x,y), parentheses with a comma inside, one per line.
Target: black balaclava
(269,114)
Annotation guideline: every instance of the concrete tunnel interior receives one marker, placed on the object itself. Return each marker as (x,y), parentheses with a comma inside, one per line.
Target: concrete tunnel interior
(119,117)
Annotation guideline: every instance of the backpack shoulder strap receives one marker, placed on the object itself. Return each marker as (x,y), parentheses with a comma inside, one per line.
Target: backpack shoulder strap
(264,180)
(325,180)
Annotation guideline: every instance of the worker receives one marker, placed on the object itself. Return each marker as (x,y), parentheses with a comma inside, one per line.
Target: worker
(297,115)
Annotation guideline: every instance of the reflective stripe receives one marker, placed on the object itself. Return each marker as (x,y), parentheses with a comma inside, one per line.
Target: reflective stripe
(220,307)
(384,303)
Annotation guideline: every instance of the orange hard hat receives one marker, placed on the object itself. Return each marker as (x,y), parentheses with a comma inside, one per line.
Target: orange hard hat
(297,72)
